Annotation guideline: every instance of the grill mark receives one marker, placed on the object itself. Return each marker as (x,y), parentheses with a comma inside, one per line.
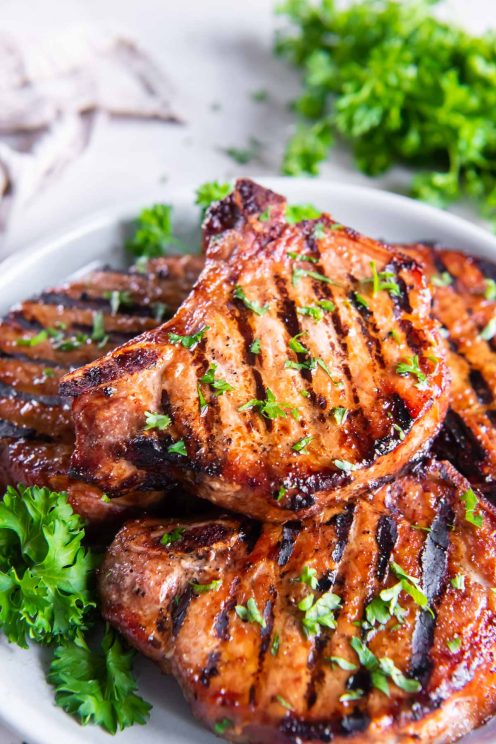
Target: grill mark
(84,302)
(211,416)
(290,532)
(7,391)
(210,669)
(458,444)
(265,636)
(488,268)
(434,567)
(400,412)
(289,318)
(342,525)
(385,537)
(480,386)
(179,608)
(401,303)
(412,336)
(42,361)
(10,430)
(250,534)
(221,622)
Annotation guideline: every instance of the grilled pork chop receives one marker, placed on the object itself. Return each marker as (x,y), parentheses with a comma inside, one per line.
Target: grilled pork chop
(459,286)
(226,606)
(303,366)
(36,433)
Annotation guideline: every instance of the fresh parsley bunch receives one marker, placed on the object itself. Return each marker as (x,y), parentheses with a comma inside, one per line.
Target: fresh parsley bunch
(399,85)
(44,569)
(46,595)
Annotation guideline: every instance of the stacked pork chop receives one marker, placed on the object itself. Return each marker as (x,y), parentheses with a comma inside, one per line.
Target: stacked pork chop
(313,382)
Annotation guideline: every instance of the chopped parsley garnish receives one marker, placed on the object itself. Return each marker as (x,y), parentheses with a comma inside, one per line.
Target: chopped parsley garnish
(239,294)
(212,586)
(270,408)
(471,515)
(304,393)
(98,334)
(300,273)
(33,340)
(70,344)
(118,298)
(256,346)
(275,645)
(282,491)
(210,192)
(399,431)
(340,414)
(158,421)
(351,696)
(302,444)
(489,331)
(159,310)
(189,342)
(105,498)
(454,644)
(442,280)
(394,334)
(318,612)
(178,448)
(382,669)
(458,582)
(317,311)
(319,231)
(250,613)
(298,212)
(265,215)
(284,702)
(345,465)
(343,664)
(169,538)
(360,299)
(411,367)
(202,400)
(302,257)
(383,281)
(297,346)
(244,155)
(222,726)
(218,386)
(490,291)
(410,585)
(308,576)
(153,233)
(49,372)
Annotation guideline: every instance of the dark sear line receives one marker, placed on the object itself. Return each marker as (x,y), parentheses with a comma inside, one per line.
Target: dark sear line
(341,524)
(42,361)
(179,608)
(290,532)
(412,337)
(85,302)
(457,438)
(401,303)
(385,537)
(8,391)
(221,622)
(434,568)
(480,386)
(265,637)
(11,430)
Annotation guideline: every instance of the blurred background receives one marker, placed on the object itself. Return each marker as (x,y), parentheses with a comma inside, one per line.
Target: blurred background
(208,65)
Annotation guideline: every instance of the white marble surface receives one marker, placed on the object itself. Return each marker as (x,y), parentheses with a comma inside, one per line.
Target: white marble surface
(216,52)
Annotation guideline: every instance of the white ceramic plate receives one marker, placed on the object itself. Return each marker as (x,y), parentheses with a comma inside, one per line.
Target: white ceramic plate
(26,701)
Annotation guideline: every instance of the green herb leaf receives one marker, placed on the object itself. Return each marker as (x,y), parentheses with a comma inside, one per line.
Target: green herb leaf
(318,612)
(169,538)
(98,686)
(250,613)
(275,645)
(301,444)
(411,367)
(360,299)
(308,576)
(298,212)
(284,702)
(490,292)
(218,386)
(153,232)
(351,696)
(343,664)
(189,342)
(270,408)
(410,585)
(344,465)
(33,340)
(458,582)
(118,298)
(471,515)
(454,644)
(158,421)
(222,726)
(239,294)
(212,586)
(442,280)
(302,257)
(178,448)
(98,333)
(255,346)
(210,192)
(489,331)
(300,273)
(340,414)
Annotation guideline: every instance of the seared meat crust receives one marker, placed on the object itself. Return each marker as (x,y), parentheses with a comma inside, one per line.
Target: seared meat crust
(468,435)
(36,432)
(276,684)
(330,342)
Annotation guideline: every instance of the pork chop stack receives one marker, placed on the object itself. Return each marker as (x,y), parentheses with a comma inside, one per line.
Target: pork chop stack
(314,382)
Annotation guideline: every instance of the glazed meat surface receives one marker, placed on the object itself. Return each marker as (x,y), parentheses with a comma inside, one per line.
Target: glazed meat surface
(36,433)
(316,372)
(271,674)
(463,303)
